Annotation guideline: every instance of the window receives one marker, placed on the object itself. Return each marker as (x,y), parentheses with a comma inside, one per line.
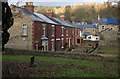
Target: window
(111,28)
(66,31)
(78,32)
(66,39)
(103,27)
(52,30)
(62,43)
(75,31)
(78,41)
(62,30)
(89,37)
(24,29)
(43,29)
(119,28)
(46,45)
(52,45)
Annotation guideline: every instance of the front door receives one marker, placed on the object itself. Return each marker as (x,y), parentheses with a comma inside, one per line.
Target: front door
(57,45)
(44,45)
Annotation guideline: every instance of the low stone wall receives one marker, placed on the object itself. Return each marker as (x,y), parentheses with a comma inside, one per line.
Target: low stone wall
(82,56)
(108,43)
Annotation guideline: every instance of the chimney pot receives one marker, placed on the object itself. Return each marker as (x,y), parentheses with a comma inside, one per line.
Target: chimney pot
(29,6)
(49,13)
(62,17)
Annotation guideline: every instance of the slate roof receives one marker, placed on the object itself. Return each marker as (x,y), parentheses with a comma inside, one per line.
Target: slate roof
(112,20)
(79,23)
(105,21)
(45,19)
(87,33)
(80,26)
(30,14)
(89,26)
(94,21)
(36,16)
(44,38)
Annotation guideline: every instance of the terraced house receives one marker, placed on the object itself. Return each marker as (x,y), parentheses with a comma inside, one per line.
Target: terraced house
(35,31)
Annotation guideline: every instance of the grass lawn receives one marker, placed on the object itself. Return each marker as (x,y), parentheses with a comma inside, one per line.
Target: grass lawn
(110,50)
(65,67)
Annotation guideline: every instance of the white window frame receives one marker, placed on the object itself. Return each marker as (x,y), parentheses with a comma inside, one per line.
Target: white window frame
(66,31)
(103,27)
(62,43)
(75,31)
(53,29)
(24,28)
(67,40)
(53,45)
(62,30)
(43,27)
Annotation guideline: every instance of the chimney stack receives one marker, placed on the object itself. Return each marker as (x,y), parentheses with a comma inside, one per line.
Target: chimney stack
(62,17)
(29,6)
(49,13)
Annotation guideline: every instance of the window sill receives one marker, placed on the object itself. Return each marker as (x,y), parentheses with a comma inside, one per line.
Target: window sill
(62,47)
(52,35)
(24,35)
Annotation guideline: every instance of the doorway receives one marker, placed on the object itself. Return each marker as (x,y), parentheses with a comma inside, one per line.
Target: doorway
(45,45)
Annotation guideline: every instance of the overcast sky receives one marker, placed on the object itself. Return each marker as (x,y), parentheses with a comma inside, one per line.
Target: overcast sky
(54,2)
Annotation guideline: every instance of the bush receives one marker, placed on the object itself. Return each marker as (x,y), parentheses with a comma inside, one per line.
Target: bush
(66,45)
(72,47)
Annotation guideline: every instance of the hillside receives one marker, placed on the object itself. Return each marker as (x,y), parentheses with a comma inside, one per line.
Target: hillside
(85,12)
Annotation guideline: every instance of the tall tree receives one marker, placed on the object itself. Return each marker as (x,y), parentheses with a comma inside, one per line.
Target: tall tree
(7,22)
(68,13)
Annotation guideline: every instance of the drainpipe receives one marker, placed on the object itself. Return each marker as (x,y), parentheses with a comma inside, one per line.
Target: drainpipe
(55,38)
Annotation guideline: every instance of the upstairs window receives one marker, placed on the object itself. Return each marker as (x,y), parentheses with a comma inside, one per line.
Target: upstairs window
(62,30)
(103,27)
(53,30)
(78,32)
(66,31)
(89,37)
(24,29)
(62,43)
(43,25)
(75,31)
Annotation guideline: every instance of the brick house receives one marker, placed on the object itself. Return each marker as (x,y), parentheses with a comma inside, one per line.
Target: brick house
(35,31)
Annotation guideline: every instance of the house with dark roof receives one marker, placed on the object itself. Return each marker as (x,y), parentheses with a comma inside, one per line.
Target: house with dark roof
(109,24)
(94,22)
(88,31)
(35,31)
(87,28)
(108,30)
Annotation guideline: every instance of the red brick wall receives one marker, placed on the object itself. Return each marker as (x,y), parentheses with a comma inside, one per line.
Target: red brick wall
(37,33)
(29,7)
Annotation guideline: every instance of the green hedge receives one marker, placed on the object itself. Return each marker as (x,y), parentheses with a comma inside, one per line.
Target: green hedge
(63,54)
